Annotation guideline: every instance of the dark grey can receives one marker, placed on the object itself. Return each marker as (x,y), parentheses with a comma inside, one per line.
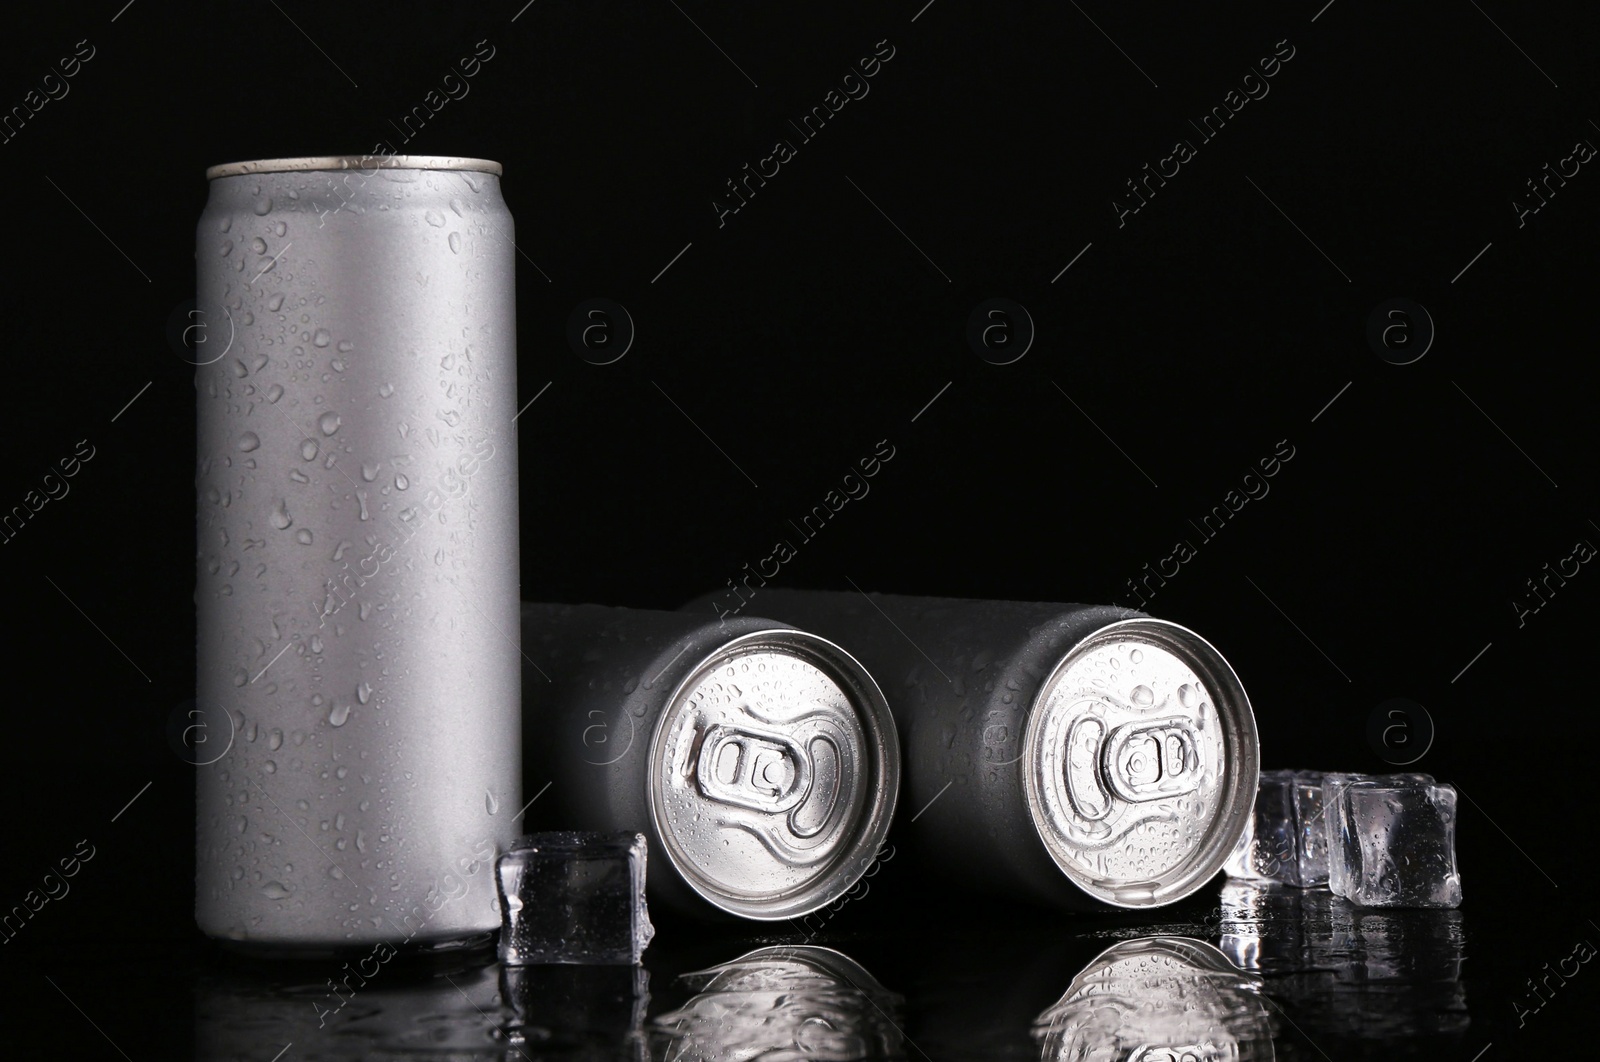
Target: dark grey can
(760,761)
(1080,754)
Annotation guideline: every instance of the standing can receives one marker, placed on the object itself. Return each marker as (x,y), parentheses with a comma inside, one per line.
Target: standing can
(760,761)
(1084,755)
(357,552)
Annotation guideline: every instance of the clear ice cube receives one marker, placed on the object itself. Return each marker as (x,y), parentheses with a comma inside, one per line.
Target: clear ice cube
(1268,850)
(573,897)
(1392,842)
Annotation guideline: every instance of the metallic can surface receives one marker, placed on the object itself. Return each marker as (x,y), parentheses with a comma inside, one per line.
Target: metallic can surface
(1082,754)
(357,550)
(760,761)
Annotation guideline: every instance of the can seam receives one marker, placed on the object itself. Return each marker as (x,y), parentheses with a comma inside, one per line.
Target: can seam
(312,163)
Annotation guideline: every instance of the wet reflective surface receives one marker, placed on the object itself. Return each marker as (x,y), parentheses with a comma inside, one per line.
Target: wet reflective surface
(1244,971)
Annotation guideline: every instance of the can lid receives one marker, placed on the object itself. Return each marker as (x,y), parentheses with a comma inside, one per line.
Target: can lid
(773,774)
(1141,762)
(353,162)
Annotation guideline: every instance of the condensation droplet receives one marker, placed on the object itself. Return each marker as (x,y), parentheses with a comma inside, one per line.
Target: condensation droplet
(249,441)
(329,423)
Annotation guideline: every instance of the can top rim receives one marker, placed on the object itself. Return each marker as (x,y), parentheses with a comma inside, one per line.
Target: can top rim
(1235,794)
(353,162)
(881,765)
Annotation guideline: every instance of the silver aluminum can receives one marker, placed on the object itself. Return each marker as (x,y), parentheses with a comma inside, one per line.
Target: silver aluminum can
(1085,755)
(357,551)
(760,761)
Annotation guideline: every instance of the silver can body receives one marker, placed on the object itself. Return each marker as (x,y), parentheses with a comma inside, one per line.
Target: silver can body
(357,551)
(1082,755)
(760,761)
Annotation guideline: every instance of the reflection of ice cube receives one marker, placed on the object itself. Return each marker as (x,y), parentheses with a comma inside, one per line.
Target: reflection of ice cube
(1393,843)
(581,1013)
(573,898)
(1347,972)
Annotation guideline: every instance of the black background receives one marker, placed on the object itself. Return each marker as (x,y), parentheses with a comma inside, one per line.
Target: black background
(810,326)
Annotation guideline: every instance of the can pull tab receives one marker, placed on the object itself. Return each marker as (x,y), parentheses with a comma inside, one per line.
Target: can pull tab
(763,772)
(1152,760)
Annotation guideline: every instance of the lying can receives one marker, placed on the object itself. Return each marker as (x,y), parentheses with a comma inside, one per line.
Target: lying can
(357,551)
(1080,754)
(760,761)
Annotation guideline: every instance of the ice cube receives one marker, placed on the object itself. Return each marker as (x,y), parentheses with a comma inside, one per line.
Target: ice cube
(1268,851)
(572,897)
(1393,842)
(1311,829)
(1333,786)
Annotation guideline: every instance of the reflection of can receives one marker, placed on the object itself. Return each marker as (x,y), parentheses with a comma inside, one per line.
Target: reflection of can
(357,562)
(446,1007)
(800,1002)
(1077,753)
(760,761)
(1158,998)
